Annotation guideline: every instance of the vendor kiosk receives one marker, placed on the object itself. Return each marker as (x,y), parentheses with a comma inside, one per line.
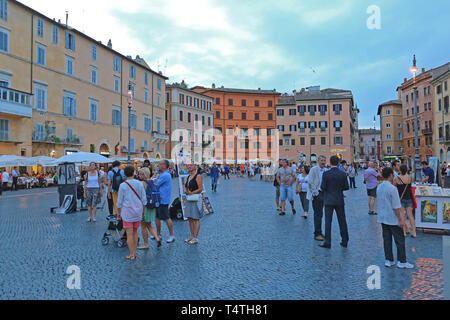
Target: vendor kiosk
(433,207)
(67,189)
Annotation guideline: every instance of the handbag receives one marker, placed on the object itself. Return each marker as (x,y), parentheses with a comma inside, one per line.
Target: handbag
(193,197)
(207,208)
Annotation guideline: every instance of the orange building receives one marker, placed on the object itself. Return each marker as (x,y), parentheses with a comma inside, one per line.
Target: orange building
(247,116)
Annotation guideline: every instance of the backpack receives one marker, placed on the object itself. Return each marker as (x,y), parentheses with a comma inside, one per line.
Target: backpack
(116,180)
(153,195)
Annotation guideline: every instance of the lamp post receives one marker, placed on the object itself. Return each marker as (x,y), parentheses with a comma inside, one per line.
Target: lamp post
(236,146)
(130,103)
(418,175)
(374,139)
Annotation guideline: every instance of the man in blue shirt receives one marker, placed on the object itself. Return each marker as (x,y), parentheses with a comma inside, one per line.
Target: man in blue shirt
(15,176)
(164,183)
(214,177)
(428,173)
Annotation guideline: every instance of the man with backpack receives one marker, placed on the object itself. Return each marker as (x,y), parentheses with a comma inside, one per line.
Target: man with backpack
(115,178)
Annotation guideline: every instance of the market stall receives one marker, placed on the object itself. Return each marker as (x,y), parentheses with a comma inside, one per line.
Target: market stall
(433,207)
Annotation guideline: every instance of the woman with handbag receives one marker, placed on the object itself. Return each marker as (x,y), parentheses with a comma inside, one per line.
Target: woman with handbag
(193,189)
(302,189)
(403,183)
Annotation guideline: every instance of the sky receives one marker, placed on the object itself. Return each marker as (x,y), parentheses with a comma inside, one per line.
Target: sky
(278,44)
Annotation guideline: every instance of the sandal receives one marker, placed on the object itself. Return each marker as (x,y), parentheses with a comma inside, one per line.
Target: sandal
(187,240)
(88,220)
(143,248)
(193,241)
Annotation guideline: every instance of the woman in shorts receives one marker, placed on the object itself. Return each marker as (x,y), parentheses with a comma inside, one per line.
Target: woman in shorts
(131,200)
(403,183)
(93,189)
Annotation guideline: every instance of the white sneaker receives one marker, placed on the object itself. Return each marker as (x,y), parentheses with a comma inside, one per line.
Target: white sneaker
(171,239)
(389,264)
(404,265)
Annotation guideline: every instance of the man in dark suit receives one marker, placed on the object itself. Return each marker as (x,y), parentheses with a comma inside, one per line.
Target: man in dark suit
(334,183)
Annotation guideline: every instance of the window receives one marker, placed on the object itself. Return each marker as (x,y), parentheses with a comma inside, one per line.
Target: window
(280,112)
(389,149)
(292,112)
(4,40)
(323,126)
(244,116)
(270,103)
(94,53)
(217,114)
(256,103)
(244,102)
(270,116)
(70,41)
(388,137)
(40,97)
(117,64)
(159,84)
(40,54)
(145,95)
(158,100)
(116,116)
(189,117)
(312,110)
(4,129)
(116,84)
(133,89)
(209,121)
(302,141)
(4,10)
(230,102)
(293,127)
(93,110)
(39,132)
(323,109)
(280,128)
(93,75)
(147,123)
(181,115)
(181,98)
(407,98)
(132,72)
(133,120)
(400,136)
(256,116)
(337,108)
(301,110)
(230,115)
(388,112)
(388,125)
(158,125)
(146,77)
(70,105)
(203,120)
(323,141)
(217,100)
(312,141)
(55,34)
(338,140)
(40,27)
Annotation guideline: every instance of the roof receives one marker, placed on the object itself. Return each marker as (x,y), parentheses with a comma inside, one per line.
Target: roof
(388,103)
(325,94)
(286,100)
(179,86)
(138,61)
(234,90)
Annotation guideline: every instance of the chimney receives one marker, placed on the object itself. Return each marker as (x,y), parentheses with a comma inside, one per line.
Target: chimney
(110,44)
(213,86)
(259,89)
(294,92)
(423,70)
(302,90)
(67,18)
(404,80)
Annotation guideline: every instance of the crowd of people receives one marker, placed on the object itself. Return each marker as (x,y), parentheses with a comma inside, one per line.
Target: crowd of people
(14,179)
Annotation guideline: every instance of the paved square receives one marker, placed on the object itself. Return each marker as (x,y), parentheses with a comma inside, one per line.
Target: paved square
(246,251)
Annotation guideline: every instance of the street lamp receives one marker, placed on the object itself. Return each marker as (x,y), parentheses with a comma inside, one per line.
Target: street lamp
(418,171)
(374,139)
(235,147)
(130,103)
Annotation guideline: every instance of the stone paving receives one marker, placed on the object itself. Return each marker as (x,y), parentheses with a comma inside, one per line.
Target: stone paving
(246,251)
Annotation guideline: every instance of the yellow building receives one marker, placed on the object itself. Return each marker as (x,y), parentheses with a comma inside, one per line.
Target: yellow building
(62,91)
(391,122)
(441,117)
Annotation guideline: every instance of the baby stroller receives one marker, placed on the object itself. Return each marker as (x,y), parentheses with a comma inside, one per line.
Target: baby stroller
(115,232)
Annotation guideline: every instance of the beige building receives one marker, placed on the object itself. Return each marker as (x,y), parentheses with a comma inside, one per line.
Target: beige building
(190,122)
(441,117)
(391,123)
(317,122)
(63,92)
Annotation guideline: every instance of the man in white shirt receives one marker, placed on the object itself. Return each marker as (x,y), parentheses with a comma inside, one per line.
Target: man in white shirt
(5,179)
(392,221)
(294,166)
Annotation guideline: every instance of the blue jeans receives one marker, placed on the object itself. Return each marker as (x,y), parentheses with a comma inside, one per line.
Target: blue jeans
(286,193)
(214,183)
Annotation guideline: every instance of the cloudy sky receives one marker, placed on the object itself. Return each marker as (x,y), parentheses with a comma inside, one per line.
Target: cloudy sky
(282,44)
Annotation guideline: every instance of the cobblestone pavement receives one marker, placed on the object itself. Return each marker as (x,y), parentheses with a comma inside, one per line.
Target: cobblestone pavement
(246,251)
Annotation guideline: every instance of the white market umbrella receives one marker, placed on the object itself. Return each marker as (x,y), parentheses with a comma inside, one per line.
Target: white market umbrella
(83,158)
(10,161)
(34,161)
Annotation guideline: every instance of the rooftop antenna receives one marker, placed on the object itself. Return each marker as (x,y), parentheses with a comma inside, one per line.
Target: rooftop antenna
(67,18)
(165,67)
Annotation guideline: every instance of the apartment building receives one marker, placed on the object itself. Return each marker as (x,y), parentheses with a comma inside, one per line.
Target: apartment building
(244,122)
(391,124)
(316,122)
(369,144)
(64,92)
(190,122)
(440,82)
(425,112)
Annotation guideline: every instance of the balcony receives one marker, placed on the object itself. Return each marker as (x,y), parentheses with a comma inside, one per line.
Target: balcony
(427,131)
(6,137)
(159,137)
(52,139)
(444,139)
(15,102)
